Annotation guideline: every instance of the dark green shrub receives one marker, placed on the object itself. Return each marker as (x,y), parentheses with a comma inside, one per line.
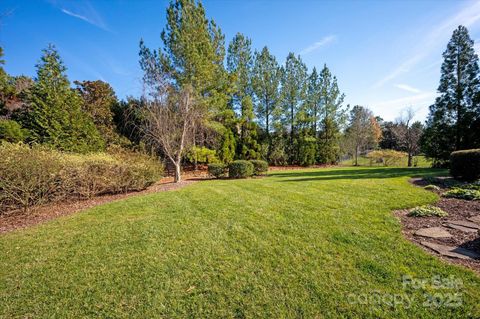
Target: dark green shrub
(240,169)
(12,131)
(465,164)
(427,211)
(259,167)
(217,170)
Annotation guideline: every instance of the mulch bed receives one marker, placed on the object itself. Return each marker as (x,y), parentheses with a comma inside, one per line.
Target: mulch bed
(10,221)
(457,209)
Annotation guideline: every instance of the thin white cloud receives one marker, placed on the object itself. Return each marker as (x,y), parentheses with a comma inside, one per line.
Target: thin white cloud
(438,35)
(83,11)
(407,88)
(317,45)
(390,109)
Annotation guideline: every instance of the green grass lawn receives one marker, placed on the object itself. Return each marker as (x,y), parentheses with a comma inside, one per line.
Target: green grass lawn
(296,244)
(420,161)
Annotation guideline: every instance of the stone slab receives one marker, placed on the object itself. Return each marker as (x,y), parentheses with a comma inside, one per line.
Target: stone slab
(464,223)
(449,251)
(433,232)
(462,228)
(474,219)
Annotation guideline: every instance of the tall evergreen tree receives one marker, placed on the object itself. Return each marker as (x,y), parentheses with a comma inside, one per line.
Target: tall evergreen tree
(99,100)
(266,84)
(452,119)
(313,100)
(333,117)
(294,78)
(193,53)
(54,116)
(240,65)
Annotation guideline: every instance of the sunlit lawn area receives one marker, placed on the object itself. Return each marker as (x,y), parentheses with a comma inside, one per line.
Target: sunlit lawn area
(418,161)
(306,243)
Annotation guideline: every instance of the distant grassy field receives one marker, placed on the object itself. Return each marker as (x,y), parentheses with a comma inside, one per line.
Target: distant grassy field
(297,244)
(420,161)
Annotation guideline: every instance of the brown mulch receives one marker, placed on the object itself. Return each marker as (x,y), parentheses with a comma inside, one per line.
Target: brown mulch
(457,209)
(19,219)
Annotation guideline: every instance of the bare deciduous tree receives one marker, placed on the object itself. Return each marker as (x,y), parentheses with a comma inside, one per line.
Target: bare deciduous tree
(408,134)
(170,124)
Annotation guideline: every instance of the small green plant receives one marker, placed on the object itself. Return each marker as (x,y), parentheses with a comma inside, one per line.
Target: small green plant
(259,167)
(240,169)
(216,169)
(432,187)
(462,193)
(427,211)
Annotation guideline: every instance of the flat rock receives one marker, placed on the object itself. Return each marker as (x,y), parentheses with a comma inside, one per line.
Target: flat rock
(475,219)
(433,232)
(462,228)
(449,251)
(464,223)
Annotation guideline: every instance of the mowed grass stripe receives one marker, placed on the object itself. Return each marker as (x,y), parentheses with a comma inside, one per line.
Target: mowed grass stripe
(293,244)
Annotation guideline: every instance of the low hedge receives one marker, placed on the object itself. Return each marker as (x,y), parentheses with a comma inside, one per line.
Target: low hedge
(216,169)
(240,169)
(465,165)
(31,176)
(259,167)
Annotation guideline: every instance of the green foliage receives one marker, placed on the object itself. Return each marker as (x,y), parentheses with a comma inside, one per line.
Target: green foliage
(217,170)
(227,149)
(193,53)
(54,116)
(240,169)
(248,146)
(463,193)
(427,211)
(387,157)
(465,164)
(12,131)
(259,167)
(328,150)
(31,176)
(266,82)
(278,155)
(99,101)
(307,150)
(202,155)
(454,119)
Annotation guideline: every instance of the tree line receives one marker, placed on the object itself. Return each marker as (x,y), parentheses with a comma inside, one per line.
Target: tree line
(205,101)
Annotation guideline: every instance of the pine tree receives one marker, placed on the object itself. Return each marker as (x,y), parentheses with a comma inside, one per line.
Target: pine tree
(54,116)
(240,65)
(451,122)
(313,100)
(247,146)
(333,117)
(266,84)
(193,53)
(294,76)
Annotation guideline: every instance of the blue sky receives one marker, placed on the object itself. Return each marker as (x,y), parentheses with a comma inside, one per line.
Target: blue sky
(386,54)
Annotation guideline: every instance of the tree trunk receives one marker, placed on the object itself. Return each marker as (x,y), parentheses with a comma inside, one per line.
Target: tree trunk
(356,155)
(178,177)
(410,159)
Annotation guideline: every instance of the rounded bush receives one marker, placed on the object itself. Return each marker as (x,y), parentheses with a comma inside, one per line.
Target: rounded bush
(427,211)
(465,164)
(217,170)
(240,169)
(259,167)
(12,131)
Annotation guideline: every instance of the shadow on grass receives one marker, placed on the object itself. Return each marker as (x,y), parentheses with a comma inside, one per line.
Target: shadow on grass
(364,173)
